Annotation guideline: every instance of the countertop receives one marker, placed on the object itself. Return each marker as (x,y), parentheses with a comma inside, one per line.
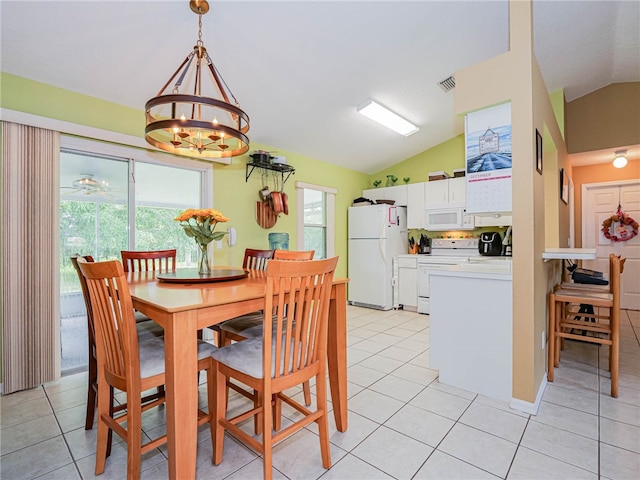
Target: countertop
(487,271)
(569,253)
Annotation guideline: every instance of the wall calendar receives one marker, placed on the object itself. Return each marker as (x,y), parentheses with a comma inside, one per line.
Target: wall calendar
(488,159)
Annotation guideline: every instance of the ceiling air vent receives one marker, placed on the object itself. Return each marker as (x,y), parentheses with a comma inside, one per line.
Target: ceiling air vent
(447,84)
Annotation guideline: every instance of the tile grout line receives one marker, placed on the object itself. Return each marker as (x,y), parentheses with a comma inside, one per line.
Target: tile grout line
(64,438)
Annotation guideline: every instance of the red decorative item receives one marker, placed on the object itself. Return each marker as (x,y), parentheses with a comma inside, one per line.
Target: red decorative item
(626,227)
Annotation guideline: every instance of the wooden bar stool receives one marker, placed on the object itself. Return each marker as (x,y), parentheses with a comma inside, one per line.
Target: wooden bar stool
(565,317)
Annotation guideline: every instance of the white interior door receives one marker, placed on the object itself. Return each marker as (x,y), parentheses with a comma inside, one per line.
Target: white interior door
(599,202)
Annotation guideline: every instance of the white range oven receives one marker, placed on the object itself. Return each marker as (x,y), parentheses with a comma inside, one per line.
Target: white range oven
(444,252)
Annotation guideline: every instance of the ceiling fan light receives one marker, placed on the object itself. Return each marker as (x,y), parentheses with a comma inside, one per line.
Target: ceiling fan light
(383,116)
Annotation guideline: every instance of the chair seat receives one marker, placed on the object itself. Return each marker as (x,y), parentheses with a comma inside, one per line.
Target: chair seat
(587,287)
(152,355)
(241,324)
(149,330)
(579,296)
(246,356)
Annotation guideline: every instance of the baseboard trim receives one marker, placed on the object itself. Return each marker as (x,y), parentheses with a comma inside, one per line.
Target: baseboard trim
(528,407)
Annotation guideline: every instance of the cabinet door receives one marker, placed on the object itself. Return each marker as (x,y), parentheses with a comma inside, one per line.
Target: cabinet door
(497,220)
(408,287)
(437,193)
(457,191)
(397,193)
(415,205)
(373,193)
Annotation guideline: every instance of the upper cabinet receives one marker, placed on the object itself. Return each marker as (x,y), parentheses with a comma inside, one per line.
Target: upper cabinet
(450,192)
(397,193)
(416,200)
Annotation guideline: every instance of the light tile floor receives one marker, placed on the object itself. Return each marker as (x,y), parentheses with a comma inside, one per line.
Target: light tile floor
(403,423)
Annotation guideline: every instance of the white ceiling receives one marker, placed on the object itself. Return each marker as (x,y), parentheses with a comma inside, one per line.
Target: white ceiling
(300,68)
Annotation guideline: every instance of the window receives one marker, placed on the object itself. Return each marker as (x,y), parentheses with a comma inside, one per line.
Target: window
(316,225)
(115,198)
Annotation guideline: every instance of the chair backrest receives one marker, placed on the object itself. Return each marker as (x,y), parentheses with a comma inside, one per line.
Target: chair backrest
(149,261)
(87,302)
(116,334)
(256,259)
(293,254)
(299,342)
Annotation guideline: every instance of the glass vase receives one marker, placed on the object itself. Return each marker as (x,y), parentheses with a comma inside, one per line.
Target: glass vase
(204,268)
(390,182)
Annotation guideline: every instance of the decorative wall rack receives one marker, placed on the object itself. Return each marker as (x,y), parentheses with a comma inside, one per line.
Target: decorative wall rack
(285,170)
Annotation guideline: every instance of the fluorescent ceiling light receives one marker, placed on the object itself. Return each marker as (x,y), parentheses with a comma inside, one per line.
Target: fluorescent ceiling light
(378,113)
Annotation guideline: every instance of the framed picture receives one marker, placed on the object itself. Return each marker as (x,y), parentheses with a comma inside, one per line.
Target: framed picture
(564,186)
(538,152)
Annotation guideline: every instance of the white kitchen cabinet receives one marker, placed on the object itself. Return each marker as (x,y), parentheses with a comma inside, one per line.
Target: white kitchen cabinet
(496,220)
(471,339)
(397,193)
(373,193)
(457,191)
(437,193)
(450,192)
(416,202)
(407,282)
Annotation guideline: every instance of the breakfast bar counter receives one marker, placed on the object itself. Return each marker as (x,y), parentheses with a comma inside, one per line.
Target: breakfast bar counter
(471,327)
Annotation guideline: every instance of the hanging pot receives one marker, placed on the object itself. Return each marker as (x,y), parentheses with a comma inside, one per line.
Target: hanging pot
(276,202)
(285,204)
(264,193)
(261,156)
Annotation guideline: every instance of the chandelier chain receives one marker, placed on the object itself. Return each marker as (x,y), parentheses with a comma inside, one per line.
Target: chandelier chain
(200,43)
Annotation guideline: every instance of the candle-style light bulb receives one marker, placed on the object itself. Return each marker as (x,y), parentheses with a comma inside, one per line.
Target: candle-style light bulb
(181,133)
(214,135)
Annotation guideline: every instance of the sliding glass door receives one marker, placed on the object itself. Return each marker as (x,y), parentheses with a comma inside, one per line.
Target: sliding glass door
(110,203)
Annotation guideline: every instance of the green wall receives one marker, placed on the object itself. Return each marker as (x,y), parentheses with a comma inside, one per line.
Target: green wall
(447,157)
(234,196)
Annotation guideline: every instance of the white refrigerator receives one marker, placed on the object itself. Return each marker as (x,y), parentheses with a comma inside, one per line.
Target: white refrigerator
(377,233)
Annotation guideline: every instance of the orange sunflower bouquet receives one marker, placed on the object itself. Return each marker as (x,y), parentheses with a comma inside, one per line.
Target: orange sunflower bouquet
(200,224)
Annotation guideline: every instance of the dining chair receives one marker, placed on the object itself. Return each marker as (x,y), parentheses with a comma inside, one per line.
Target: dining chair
(146,331)
(567,320)
(231,330)
(250,325)
(149,261)
(128,364)
(293,254)
(292,350)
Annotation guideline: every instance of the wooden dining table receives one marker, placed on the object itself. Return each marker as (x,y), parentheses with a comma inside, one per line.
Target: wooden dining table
(184,308)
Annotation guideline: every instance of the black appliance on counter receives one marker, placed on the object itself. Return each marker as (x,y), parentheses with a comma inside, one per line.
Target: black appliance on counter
(490,244)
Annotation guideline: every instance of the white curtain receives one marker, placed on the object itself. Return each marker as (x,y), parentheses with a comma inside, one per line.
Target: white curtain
(30,265)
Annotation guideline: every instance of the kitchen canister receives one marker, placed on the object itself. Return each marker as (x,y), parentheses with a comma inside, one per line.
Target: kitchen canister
(279,241)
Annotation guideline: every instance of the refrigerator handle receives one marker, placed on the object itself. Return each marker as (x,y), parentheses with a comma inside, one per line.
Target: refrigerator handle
(382,235)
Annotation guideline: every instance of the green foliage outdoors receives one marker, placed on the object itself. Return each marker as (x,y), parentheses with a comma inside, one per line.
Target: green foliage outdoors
(101,230)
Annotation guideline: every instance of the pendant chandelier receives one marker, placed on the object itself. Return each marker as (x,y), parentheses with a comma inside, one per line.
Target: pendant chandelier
(199,122)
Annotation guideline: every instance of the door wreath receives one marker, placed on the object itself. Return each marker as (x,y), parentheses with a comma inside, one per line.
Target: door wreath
(624,227)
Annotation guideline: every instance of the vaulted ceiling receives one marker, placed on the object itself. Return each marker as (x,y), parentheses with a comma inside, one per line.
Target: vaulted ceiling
(300,68)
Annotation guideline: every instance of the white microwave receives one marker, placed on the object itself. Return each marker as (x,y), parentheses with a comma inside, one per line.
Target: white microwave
(448,219)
